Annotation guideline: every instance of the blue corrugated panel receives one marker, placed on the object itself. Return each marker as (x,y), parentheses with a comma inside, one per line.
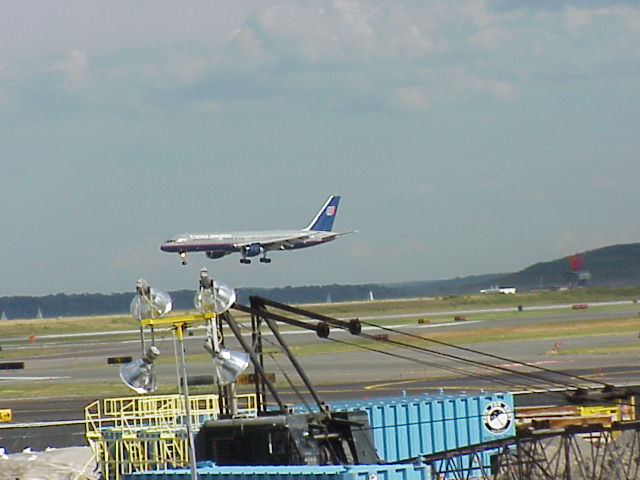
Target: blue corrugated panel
(407,427)
(292,472)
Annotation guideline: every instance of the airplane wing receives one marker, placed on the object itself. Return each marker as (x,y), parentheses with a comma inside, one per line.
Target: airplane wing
(336,235)
(289,241)
(327,236)
(275,243)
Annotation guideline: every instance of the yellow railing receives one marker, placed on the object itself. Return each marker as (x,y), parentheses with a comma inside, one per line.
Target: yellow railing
(133,434)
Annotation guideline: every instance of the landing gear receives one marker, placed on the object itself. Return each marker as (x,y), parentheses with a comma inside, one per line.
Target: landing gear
(183,257)
(265,260)
(245,261)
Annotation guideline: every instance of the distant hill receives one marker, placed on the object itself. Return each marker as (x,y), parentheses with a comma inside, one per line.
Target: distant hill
(613,266)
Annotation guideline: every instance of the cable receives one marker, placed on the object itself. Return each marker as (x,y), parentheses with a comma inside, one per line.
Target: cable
(290,382)
(429,364)
(462,359)
(529,376)
(495,367)
(478,352)
(273,344)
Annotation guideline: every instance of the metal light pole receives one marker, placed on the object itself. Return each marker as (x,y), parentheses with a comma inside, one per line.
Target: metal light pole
(179,333)
(149,307)
(179,325)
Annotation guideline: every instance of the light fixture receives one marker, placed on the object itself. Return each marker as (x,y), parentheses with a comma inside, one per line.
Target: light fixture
(149,302)
(138,375)
(215,297)
(212,296)
(228,364)
(149,306)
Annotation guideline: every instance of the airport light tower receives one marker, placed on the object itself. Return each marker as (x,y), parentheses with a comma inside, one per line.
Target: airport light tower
(149,307)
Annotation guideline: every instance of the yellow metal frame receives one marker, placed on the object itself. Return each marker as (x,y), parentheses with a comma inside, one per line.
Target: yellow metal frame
(134,434)
(178,320)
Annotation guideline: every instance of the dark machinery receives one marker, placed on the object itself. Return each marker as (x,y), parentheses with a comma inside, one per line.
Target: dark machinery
(288,439)
(279,436)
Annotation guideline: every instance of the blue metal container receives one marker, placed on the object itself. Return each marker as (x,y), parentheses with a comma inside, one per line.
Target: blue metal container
(402,428)
(408,427)
(292,472)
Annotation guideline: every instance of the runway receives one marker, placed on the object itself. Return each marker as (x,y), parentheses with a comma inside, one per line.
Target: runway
(356,373)
(346,374)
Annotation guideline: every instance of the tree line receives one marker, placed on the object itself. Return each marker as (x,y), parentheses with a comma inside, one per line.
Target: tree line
(71,305)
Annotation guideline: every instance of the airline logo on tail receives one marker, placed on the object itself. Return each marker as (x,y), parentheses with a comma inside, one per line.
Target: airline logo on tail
(323,221)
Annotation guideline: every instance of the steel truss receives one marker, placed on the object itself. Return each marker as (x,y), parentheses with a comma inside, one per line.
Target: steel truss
(591,452)
(580,452)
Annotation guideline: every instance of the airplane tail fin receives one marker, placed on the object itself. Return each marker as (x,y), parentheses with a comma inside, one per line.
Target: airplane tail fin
(323,221)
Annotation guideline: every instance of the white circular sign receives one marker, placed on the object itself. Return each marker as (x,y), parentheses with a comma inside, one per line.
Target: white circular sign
(497,417)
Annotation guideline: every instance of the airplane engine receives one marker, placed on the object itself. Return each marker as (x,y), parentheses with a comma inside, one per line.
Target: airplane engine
(253,249)
(213,254)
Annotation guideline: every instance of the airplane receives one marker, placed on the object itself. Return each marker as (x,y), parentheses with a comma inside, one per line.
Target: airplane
(251,244)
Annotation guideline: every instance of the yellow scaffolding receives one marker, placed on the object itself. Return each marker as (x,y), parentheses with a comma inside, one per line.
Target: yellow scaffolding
(134,434)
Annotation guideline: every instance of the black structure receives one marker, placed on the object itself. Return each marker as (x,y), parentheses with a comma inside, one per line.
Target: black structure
(278,436)
(592,452)
(340,438)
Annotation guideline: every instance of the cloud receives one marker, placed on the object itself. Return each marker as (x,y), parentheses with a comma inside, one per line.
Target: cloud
(456,84)
(505,5)
(607,184)
(208,106)
(75,69)
(412,98)
(351,56)
(334,32)
(465,81)
(298,34)
(582,18)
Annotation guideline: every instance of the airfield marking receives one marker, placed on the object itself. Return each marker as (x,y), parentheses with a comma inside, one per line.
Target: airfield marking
(601,374)
(495,310)
(391,384)
(8,379)
(533,364)
(43,338)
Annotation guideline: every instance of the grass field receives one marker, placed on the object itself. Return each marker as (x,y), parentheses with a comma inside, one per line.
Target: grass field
(25,327)
(16,332)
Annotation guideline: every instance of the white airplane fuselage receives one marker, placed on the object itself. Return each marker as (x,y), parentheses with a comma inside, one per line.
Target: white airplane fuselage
(202,242)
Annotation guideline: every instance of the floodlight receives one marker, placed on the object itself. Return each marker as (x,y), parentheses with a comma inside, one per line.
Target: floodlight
(228,364)
(148,307)
(212,296)
(138,375)
(205,280)
(149,302)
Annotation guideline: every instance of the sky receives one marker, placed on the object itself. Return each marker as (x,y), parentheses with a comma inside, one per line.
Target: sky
(465,137)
